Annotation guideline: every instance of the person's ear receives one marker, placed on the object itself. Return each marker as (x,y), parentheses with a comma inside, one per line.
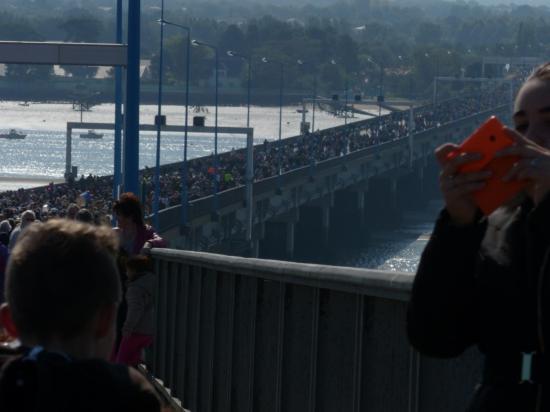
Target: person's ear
(6,320)
(105,320)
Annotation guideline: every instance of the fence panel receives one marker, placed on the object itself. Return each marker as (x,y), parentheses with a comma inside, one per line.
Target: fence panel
(237,334)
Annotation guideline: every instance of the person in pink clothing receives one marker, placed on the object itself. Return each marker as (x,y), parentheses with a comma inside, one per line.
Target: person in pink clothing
(134,234)
(135,238)
(138,329)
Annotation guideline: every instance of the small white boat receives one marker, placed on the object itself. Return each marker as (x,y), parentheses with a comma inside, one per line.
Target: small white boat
(91,135)
(13,134)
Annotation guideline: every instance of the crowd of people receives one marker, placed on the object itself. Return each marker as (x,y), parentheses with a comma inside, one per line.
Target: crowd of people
(79,294)
(135,239)
(95,193)
(79,329)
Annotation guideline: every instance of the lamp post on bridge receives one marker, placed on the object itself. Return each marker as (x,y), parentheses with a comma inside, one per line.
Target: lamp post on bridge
(380,96)
(197,43)
(279,145)
(118,109)
(304,63)
(248,60)
(249,144)
(184,167)
(159,122)
(131,109)
(312,151)
(346,85)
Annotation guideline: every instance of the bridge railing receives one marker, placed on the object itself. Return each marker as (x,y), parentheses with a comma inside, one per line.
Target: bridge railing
(170,216)
(237,334)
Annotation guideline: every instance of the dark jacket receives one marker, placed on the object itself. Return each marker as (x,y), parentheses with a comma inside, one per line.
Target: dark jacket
(53,382)
(485,285)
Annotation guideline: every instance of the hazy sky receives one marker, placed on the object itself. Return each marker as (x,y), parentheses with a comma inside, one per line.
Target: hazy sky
(516,2)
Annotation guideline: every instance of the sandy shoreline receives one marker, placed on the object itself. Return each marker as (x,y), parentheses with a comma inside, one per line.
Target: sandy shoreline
(14,183)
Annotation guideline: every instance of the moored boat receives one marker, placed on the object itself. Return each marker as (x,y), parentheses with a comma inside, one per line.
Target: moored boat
(91,135)
(13,134)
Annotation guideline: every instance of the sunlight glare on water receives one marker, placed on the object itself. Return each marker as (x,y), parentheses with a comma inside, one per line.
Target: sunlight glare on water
(398,250)
(41,155)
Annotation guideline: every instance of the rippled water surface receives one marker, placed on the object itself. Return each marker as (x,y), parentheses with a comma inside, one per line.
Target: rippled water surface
(42,154)
(40,158)
(400,249)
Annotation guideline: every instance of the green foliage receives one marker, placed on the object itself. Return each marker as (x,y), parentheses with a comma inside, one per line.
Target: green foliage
(397,47)
(29,72)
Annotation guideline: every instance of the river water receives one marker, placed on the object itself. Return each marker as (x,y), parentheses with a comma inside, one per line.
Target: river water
(40,158)
(398,249)
(41,155)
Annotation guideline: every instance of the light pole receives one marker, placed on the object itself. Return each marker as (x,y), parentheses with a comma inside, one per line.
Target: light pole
(313,149)
(346,103)
(281,88)
(118,108)
(248,60)
(333,62)
(131,109)
(380,85)
(159,122)
(249,146)
(184,166)
(303,63)
(197,43)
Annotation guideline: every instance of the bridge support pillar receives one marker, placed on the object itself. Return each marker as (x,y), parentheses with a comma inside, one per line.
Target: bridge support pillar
(325,216)
(393,194)
(361,196)
(431,179)
(311,232)
(278,242)
(272,246)
(289,244)
(382,205)
(255,252)
(347,216)
(420,177)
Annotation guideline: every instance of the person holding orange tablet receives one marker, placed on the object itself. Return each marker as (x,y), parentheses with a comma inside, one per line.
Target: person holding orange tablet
(483,280)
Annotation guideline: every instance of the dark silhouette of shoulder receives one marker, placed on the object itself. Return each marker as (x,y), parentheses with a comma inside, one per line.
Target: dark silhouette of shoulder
(54,382)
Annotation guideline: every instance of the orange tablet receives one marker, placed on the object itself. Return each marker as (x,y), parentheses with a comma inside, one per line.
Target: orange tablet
(487,140)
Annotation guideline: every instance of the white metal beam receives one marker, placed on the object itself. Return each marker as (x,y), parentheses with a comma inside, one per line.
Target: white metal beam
(81,54)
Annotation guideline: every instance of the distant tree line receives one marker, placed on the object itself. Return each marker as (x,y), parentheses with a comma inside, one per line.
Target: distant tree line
(377,47)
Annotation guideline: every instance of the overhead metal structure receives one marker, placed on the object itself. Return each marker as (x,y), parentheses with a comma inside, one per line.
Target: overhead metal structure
(117,55)
(81,54)
(512,61)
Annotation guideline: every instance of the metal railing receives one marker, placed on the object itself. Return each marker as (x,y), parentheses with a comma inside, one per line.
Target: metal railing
(237,334)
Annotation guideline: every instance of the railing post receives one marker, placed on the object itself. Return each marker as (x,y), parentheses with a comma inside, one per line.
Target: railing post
(131,115)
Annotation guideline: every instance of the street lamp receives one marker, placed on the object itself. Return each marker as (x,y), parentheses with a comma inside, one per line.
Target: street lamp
(248,60)
(313,149)
(118,109)
(197,43)
(380,85)
(303,63)
(184,167)
(281,85)
(333,62)
(249,145)
(159,122)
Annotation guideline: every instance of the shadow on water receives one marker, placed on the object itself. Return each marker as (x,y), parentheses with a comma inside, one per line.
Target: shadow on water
(396,249)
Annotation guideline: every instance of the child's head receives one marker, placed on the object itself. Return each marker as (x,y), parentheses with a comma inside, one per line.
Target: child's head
(62,285)
(138,264)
